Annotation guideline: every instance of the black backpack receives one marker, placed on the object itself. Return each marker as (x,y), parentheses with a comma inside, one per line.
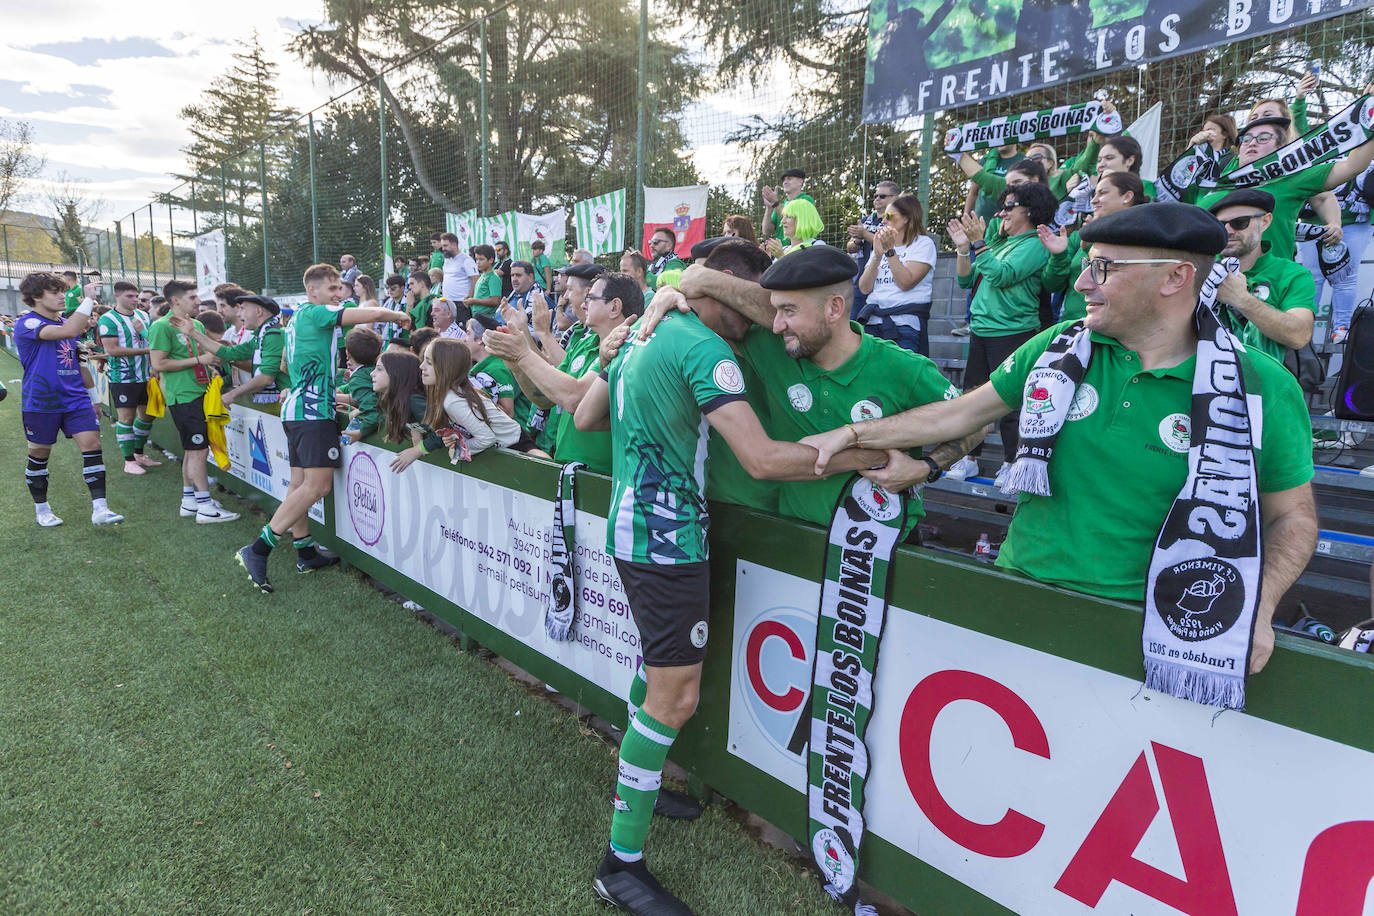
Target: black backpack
(1353,396)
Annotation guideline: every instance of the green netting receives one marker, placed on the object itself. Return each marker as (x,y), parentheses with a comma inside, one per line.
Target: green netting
(535,106)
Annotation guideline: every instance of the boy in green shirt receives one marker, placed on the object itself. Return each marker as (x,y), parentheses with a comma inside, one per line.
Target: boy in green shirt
(184,366)
(486,295)
(420,295)
(542,266)
(363,346)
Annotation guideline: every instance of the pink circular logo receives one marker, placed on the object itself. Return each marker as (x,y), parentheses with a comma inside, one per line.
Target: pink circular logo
(366,504)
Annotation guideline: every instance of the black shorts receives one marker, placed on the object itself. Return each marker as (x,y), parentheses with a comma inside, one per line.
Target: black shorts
(670,604)
(312,443)
(189,419)
(128,394)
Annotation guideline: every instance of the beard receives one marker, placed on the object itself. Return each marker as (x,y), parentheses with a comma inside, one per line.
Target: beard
(805,346)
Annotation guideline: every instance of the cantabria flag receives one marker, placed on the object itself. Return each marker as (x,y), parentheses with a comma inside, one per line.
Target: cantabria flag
(464,226)
(600,223)
(682,210)
(551,229)
(493,229)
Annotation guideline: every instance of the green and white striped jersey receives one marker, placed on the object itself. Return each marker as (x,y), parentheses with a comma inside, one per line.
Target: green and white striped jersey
(312,358)
(128,331)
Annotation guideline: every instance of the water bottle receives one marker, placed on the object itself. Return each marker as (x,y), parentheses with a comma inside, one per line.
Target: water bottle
(984,546)
(1314,628)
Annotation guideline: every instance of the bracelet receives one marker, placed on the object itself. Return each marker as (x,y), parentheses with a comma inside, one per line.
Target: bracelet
(421,447)
(962,254)
(850,427)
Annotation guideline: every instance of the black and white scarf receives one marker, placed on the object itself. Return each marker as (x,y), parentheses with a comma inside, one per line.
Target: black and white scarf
(562,607)
(1333,260)
(1059,121)
(868,524)
(1204,577)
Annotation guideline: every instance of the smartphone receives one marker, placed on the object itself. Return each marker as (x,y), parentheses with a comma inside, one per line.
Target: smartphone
(1316,69)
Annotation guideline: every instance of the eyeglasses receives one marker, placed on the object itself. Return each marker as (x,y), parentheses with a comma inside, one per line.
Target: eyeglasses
(1037,156)
(1097,267)
(1263,136)
(882,195)
(597,298)
(1240,222)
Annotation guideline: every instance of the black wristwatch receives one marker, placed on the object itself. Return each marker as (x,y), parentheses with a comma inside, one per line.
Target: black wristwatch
(979,245)
(890,253)
(936,472)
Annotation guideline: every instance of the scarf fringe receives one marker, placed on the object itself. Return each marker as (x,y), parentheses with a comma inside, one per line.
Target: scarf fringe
(558,624)
(1028,475)
(1210,688)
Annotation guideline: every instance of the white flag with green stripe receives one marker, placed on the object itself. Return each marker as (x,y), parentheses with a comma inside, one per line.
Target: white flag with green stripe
(550,228)
(464,226)
(493,229)
(600,223)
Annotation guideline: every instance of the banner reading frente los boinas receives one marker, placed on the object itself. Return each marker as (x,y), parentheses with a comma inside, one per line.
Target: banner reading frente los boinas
(929,55)
(683,210)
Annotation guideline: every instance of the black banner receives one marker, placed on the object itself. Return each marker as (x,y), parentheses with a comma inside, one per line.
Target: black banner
(928,55)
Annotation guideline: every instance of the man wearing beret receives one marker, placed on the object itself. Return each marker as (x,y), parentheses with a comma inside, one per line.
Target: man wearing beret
(816,367)
(259,354)
(1271,300)
(1120,457)
(653,398)
(793,186)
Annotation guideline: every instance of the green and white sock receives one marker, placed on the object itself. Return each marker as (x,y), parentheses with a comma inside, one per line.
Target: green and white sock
(639,689)
(642,754)
(305,547)
(142,430)
(124,435)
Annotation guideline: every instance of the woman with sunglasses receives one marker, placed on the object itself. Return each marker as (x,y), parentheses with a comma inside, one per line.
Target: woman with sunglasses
(1069,256)
(1264,135)
(898,279)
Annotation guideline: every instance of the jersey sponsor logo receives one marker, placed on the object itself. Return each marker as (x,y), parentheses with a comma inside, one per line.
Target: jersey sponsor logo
(1200,599)
(727,377)
(699,634)
(830,852)
(1085,401)
(799,396)
(865,410)
(1261,292)
(876,501)
(1175,430)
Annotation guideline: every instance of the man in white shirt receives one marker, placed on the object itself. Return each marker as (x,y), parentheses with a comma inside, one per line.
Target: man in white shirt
(460,270)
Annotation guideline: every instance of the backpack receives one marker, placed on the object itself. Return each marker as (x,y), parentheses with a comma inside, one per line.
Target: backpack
(1353,396)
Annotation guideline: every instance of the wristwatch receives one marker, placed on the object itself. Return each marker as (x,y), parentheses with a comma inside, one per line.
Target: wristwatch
(978,245)
(890,253)
(936,472)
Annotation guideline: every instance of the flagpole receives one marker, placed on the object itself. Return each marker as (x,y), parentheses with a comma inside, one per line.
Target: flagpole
(640,111)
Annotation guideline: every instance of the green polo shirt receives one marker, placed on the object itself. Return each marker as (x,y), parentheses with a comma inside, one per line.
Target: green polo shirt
(1060,274)
(419,312)
(543,273)
(1290,193)
(488,285)
(436,259)
(494,377)
(776,216)
(1284,285)
(726,479)
(879,380)
(1122,458)
(1007,275)
(570,443)
(181,386)
(264,349)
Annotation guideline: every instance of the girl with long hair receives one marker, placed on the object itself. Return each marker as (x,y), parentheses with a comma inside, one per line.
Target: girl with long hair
(401,402)
(453,401)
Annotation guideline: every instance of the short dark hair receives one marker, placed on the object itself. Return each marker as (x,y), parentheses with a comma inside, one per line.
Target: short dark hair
(526,266)
(69,273)
(423,277)
(364,345)
(745,260)
(1127,181)
(625,288)
(640,262)
(123,286)
(420,337)
(162,306)
(672,236)
(436,236)
(1128,147)
(448,237)
(177,288)
(503,244)
(34,285)
(395,280)
(1038,200)
(485,251)
(536,245)
(212,321)
(1032,169)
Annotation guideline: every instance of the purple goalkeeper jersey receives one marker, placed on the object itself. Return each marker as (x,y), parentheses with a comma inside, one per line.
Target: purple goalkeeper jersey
(52,372)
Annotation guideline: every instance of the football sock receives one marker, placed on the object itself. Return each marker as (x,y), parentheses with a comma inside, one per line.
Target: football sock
(642,754)
(36,476)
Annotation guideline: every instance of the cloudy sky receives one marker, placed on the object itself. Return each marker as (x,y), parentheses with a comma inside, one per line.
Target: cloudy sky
(102,83)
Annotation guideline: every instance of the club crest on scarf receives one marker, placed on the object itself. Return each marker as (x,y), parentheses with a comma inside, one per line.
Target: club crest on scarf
(1200,599)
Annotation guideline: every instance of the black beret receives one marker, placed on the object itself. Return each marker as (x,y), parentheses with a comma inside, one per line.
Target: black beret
(809,268)
(266,302)
(1282,123)
(584,271)
(1177,227)
(701,249)
(1245,197)
(794,173)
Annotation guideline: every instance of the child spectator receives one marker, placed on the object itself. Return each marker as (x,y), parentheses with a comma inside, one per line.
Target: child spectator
(401,403)
(364,347)
(455,401)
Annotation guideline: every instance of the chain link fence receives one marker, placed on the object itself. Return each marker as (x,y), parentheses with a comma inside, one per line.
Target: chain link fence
(537,106)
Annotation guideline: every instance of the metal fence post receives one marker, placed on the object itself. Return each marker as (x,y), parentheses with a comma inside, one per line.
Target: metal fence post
(152,243)
(133,224)
(9,268)
(923,169)
(119,242)
(386,213)
(262,180)
(482,118)
(314,204)
(640,114)
(195,223)
(172,238)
